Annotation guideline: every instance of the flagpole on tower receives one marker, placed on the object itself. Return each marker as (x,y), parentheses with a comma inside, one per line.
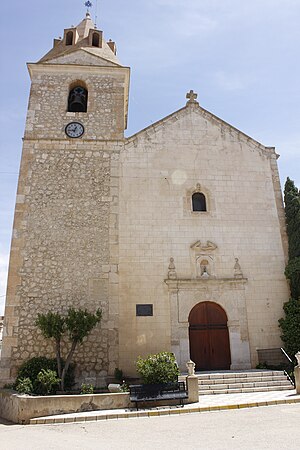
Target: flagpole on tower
(96,13)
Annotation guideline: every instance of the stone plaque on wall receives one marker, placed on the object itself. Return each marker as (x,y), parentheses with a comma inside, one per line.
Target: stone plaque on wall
(144,310)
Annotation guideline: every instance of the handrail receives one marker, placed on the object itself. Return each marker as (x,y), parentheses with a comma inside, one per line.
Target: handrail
(286,355)
(292,367)
(289,378)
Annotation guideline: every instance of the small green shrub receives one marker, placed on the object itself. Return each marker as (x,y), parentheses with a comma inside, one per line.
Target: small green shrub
(48,380)
(87,388)
(24,386)
(124,387)
(32,367)
(119,376)
(157,369)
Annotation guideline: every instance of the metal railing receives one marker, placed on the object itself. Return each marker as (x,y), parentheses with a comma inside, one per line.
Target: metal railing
(291,367)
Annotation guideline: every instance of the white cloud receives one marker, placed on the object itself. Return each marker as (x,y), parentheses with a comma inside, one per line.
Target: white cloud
(232,81)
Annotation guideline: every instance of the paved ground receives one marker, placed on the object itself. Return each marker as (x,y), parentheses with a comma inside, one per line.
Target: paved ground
(206,403)
(262,428)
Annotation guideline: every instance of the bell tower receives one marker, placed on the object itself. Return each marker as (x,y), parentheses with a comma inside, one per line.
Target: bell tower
(80,80)
(64,250)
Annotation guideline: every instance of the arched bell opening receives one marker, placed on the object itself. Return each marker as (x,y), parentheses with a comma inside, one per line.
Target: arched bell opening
(209,337)
(78,98)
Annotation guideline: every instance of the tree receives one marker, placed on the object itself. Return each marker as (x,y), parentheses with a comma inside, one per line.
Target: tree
(292,214)
(52,325)
(290,325)
(77,324)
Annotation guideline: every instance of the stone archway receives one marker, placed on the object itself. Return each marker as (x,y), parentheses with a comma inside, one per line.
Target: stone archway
(209,337)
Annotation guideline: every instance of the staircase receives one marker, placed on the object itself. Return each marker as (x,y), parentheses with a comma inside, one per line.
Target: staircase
(230,382)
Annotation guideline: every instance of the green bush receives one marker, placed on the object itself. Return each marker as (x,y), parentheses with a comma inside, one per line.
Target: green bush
(32,367)
(48,380)
(87,388)
(158,369)
(24,386)
(290,326)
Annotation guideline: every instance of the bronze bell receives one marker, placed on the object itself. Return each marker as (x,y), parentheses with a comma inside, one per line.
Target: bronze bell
(78,100)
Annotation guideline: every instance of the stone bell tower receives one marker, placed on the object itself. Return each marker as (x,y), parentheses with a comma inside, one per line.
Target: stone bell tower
(65,238)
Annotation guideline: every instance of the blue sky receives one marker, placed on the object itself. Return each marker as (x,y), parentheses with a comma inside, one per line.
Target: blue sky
(240,56)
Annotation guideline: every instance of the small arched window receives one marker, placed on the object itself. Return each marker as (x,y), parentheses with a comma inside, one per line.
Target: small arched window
(77,101)
(199,201)
(96,40)
(69,38)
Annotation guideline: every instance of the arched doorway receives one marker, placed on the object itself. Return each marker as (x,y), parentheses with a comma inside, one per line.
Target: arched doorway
(209,337)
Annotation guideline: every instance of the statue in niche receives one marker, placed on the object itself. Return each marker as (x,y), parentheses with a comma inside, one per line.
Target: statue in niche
(205,274)
(172,275)
(204,268)
(237,269)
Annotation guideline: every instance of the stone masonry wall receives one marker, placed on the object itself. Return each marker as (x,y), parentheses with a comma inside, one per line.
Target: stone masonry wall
(65,259)
(163,165)
(47,111)
(64,249)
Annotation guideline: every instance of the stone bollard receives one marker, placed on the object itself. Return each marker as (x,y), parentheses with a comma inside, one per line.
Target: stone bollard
(297,373)
(192,383)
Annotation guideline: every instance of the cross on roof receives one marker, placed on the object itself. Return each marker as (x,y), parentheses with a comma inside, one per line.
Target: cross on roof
(191,97)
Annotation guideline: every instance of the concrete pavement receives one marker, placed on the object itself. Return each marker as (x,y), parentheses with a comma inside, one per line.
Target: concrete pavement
(266,428)
(206,403)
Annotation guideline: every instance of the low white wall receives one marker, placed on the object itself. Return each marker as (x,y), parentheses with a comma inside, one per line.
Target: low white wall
(21,408)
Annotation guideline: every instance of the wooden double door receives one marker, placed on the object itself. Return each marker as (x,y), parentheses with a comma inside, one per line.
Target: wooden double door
(209,337)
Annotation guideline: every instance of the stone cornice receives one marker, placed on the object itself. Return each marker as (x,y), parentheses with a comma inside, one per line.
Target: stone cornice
(203,283)
(75,68)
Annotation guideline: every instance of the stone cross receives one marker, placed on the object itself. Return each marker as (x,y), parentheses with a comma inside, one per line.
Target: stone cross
(191,97)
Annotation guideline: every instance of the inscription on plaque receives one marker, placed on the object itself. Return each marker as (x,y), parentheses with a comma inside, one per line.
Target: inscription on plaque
(144,310)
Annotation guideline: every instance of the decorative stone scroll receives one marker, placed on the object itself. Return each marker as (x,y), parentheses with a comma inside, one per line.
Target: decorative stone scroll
(208,247)
(172,275)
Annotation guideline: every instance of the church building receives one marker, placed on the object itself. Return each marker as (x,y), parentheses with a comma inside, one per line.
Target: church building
(177,233)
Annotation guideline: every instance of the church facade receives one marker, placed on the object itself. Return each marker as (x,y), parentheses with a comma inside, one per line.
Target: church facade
(177,233)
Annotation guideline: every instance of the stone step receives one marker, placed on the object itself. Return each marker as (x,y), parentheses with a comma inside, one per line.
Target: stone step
(229,382)
(244,385)
(244,390)
(242,380)
(249,374)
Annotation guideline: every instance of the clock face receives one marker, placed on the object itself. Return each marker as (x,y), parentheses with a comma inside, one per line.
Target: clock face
(74,130)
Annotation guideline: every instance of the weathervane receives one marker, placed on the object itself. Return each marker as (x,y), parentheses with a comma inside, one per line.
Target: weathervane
(88,4)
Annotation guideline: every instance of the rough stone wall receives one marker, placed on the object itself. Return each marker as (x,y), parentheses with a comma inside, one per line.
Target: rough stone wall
(47,111)
(64,249)
(1,332)
(163,166)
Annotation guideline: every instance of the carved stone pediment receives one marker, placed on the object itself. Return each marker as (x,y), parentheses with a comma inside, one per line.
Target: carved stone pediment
(208,247)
